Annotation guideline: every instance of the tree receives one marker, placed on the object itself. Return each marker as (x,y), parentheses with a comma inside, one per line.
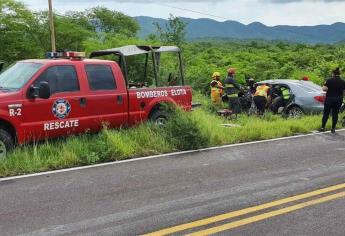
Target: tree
(108,21)
(16,41)
(174,31)
(25,34)
(71,31)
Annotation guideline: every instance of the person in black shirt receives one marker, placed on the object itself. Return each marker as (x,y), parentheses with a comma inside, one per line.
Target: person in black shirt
(334,87)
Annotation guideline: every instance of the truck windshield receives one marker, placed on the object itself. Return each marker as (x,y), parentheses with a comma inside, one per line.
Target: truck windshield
(17,75)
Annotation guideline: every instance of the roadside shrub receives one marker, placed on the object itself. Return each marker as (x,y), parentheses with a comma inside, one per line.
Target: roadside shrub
(183,132)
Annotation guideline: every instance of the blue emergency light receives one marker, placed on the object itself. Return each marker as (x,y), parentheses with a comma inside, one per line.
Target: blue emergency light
(53,55)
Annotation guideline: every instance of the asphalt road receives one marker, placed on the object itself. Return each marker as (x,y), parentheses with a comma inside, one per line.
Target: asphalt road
(149,195)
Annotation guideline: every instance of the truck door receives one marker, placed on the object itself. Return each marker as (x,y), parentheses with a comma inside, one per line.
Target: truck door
(107,101)
(62,113)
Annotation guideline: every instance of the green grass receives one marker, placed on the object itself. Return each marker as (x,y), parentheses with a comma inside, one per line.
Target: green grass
(185,131)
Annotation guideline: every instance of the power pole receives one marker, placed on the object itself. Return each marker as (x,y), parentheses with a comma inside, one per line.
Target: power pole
(52,28)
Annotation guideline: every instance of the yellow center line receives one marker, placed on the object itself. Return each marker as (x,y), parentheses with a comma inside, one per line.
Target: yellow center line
(263,216)
(233,214)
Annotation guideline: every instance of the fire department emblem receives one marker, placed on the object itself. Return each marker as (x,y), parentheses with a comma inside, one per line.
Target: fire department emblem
(61,108)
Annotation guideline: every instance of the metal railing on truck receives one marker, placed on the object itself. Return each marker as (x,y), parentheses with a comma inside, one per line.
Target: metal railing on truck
(131,50)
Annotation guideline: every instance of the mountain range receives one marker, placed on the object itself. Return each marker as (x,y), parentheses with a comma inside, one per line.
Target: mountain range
(207,28)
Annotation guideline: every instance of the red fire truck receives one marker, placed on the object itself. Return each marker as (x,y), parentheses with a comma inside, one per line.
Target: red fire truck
(67,94)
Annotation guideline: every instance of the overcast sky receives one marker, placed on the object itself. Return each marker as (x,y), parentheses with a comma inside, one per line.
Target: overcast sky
(269,12)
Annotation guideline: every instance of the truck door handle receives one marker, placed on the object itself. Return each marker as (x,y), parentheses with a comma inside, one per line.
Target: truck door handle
(82,102)
(119,99)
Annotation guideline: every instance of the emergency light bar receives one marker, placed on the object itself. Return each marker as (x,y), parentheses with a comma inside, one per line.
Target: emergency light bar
(52,55)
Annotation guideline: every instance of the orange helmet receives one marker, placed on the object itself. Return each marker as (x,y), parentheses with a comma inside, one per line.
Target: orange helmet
(231,71)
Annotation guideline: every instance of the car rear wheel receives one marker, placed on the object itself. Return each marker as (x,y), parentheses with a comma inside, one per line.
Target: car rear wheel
(295,112)
(6,143)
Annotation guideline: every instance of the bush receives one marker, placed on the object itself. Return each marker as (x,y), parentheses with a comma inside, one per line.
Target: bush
(183,132)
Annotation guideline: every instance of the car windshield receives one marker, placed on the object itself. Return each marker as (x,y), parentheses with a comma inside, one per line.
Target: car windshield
(17,75)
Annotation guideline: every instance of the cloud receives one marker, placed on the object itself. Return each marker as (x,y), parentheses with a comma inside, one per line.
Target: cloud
(213,2)
(145,1)
(296,1)
(269,12)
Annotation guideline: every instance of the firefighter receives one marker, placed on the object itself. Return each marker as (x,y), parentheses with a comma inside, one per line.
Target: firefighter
(261,98)
(232,88)
(280,97)
(216,89)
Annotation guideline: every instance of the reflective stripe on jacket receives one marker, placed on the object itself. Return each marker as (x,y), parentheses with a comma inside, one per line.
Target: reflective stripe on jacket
(262,90)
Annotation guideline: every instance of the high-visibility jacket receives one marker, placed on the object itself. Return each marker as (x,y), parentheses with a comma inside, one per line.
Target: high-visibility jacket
(262,90)
(285,93)
(216,92)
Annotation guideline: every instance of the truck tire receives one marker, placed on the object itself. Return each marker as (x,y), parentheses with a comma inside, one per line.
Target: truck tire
(159,117)
(6,143)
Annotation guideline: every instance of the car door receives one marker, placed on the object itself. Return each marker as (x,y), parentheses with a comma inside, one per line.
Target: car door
(59,115)
(107,99)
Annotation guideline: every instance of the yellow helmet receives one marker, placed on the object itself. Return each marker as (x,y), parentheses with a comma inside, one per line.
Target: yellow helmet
(215,74)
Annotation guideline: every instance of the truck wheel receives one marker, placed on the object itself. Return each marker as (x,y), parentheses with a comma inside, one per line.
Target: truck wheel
(6,143)
(159,117)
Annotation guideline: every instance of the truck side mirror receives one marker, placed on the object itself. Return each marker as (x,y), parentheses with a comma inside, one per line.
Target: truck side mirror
(1,65)
(44,90)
